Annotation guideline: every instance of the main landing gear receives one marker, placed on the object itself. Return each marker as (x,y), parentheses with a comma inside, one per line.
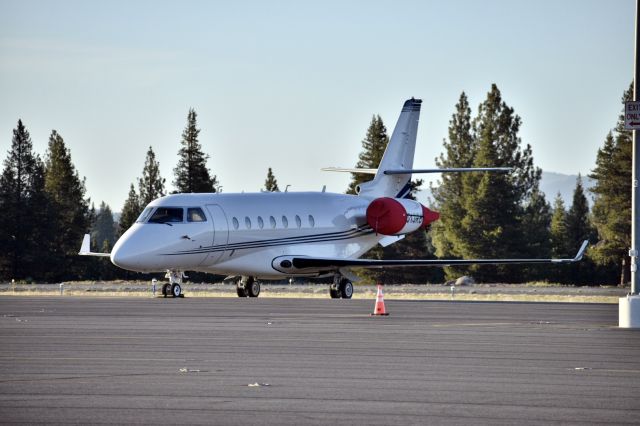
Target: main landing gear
(174,287)
(341,288)
(248,287)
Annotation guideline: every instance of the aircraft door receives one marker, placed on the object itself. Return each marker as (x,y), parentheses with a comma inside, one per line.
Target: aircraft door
(220,234)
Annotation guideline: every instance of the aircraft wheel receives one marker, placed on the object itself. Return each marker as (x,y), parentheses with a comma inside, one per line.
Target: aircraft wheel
(242,292)
(346,289)
(166,289)
(253,289)
(176,290)
(334,293)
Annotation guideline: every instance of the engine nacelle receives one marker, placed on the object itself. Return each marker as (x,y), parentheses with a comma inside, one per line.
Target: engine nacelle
(397,216)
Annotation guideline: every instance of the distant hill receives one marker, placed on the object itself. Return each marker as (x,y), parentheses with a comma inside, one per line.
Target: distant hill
(551,183)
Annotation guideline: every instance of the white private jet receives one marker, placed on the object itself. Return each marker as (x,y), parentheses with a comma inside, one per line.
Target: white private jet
(277,235)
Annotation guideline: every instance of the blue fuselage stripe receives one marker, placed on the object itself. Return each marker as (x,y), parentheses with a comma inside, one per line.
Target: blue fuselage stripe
(317,238)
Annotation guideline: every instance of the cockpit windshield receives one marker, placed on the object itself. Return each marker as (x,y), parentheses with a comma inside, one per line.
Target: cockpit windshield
(144,215)
(167,215)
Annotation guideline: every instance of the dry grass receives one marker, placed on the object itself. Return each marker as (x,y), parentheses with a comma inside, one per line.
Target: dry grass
(319,291)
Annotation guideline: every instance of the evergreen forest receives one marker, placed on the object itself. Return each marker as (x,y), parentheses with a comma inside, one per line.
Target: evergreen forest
(482,215)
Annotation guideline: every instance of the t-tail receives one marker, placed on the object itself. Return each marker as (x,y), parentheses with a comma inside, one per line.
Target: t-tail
(393,176)
(398,157)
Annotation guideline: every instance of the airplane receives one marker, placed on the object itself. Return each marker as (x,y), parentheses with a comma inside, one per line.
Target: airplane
(280,235)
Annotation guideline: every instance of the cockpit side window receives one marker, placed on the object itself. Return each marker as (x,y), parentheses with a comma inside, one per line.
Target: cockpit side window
(144,215)
(195,214)
(167,215)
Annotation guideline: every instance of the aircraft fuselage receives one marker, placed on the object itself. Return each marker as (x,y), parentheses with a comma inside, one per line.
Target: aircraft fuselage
(240,234)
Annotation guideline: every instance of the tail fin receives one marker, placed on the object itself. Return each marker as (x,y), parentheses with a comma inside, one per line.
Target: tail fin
(397,156)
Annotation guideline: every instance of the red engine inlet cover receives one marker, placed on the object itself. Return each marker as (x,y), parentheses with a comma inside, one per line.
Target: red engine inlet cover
(386,216)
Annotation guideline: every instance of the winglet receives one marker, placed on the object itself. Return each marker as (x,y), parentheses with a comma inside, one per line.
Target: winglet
(85,249)
(583,247)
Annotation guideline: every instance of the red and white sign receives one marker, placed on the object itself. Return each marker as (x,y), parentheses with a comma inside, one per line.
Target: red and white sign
(632,115)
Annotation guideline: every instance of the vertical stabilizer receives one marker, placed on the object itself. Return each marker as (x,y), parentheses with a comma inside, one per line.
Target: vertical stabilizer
(398,155)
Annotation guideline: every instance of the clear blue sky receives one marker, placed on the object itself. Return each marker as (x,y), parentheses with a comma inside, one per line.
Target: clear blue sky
(293,85)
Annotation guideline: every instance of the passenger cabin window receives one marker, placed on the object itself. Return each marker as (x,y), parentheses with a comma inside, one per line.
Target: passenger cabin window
(167,215)
(145,214)
(298,221)
(247,222)
(196,215)
(312,221)
(236,224)
(272,221)
(260,222)
(285,222)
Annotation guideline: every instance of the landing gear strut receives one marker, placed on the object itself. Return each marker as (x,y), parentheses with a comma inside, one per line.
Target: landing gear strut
(341,288)
(174,287)
(248,287)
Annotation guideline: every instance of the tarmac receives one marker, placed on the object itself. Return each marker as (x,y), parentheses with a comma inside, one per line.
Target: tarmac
(83,360)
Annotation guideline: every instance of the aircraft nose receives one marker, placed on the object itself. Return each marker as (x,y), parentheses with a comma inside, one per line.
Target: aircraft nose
(122,255)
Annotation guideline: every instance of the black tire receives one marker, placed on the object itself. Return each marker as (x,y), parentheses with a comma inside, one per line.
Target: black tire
(334,293)
(253,288)
(346,289)
(166,290)
(176,290)
(242,292)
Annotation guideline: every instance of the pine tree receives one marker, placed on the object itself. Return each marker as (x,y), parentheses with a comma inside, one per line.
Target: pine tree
(191,173)
(130,211)
(271,184)
(579,229)
(151,184)
(460,150)
(494,203)
(536,222)
(559,239)
(103,236)
(559,236)
(373,147)
(24,204)
(69,212)
(578,225)
(103,232)
(612,204)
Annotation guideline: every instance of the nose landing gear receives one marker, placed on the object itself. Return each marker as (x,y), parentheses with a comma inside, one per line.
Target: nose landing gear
(174,287)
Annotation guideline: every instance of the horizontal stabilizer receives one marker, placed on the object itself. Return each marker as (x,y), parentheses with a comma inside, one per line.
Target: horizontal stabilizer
(390,239)
(410,171)
(302,264)
(452,170)
(85,249)
(354,170)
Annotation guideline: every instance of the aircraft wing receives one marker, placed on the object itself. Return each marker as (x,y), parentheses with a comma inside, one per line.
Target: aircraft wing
(302,264)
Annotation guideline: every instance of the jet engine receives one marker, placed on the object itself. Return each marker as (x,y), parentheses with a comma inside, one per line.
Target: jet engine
(397,216)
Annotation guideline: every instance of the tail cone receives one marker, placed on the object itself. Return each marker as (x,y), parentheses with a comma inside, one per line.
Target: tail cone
(429,216)
(379,308)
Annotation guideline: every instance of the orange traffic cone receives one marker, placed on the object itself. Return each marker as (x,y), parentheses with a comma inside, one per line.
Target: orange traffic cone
(379,308)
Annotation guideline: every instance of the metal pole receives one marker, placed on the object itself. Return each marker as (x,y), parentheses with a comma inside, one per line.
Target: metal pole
(635,199)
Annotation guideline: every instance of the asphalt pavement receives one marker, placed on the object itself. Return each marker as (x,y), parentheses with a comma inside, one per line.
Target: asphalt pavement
(312,361)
